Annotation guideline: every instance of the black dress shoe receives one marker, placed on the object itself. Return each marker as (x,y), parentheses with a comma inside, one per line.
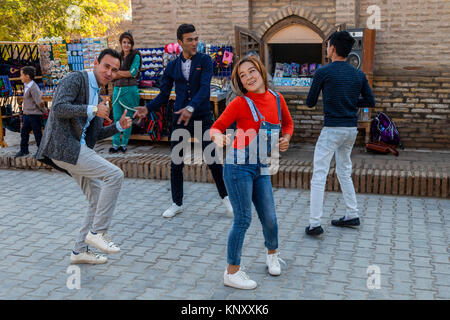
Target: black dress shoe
(122,149)
(346,223)
(113,150)
(21,154)
(314,231)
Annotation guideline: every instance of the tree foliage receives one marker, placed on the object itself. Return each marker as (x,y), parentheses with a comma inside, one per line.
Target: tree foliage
(29,20)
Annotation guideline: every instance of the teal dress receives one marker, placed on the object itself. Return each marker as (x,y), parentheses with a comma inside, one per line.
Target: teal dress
(125,98)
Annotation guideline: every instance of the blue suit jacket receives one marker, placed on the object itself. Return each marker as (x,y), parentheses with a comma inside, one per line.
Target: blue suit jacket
(195,92)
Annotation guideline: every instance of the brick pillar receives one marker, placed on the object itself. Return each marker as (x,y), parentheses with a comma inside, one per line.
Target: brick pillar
(346,12)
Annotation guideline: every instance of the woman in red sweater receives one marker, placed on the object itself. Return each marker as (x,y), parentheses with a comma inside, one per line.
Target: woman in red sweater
(260,114)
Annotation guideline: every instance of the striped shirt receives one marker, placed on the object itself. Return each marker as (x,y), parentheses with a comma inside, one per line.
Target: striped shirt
(344,90)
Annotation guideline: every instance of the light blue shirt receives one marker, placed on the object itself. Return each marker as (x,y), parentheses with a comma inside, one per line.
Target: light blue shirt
(94,94)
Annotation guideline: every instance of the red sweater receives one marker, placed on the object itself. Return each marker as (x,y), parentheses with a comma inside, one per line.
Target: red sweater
(239,111)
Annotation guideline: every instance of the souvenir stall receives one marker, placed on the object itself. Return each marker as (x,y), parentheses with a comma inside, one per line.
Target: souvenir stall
(157,125)
(14,56)
(53,58)
(53,62)
(6,114)
(58,57)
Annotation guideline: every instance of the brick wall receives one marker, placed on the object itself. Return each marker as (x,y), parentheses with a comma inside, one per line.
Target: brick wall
(414,33)
(261,9)
(307,122)
(346,12)
(155,21)
(419,105)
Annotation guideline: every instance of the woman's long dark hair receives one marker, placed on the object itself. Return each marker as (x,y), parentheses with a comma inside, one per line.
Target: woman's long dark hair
(129,36)
(128,60)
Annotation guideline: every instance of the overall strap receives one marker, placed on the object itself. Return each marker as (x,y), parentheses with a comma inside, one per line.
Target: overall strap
(278,103)
(254,110)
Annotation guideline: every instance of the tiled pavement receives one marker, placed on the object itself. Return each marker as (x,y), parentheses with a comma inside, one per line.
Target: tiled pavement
(407,238)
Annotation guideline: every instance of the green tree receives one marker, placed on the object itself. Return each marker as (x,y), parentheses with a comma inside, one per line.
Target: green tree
(29,20)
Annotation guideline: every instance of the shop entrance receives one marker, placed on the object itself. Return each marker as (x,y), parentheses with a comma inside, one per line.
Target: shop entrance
(292,50)
(294,53)
(298,53)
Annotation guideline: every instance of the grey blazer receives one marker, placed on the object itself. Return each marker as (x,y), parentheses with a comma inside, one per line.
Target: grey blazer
(67,118)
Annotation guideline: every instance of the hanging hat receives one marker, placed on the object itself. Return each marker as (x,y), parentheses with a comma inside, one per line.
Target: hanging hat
(168,48)
(176,48)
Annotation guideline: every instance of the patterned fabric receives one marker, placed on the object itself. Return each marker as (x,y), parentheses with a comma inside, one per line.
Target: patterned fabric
(5,87)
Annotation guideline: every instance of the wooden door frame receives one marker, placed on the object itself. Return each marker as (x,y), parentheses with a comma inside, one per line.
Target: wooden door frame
(237,34)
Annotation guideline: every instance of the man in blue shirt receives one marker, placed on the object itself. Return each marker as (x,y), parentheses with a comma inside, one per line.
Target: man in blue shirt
(191,73)
(344,90)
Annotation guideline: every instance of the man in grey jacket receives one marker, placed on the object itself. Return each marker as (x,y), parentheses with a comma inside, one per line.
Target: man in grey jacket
(74,125)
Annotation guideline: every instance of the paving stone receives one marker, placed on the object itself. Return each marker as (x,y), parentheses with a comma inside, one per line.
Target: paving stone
(424,294)
(185,257)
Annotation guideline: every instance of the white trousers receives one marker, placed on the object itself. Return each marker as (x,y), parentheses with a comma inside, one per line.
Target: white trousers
(336,141)
(101,182)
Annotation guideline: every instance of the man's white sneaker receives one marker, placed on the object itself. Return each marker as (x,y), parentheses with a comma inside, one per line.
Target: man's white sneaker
(228,207)
(238,280)
(102,242)
(87,257)
(172,211)
(273,263)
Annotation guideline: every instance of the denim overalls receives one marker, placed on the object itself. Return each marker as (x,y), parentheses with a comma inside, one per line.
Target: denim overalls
(259,149)
(246,176)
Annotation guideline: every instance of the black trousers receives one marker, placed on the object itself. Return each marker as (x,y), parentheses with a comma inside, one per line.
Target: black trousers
(30,122)
(176,170)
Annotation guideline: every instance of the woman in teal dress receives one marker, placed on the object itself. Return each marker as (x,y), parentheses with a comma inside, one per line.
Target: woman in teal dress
(126,92)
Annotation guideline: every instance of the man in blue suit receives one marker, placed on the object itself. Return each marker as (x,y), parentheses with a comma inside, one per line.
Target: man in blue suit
(191,73)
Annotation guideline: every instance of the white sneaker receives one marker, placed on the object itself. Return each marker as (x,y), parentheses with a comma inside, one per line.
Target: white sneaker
(87,257)
(238,280)
(101,242)
(273,263)
(227,204)
(172,211)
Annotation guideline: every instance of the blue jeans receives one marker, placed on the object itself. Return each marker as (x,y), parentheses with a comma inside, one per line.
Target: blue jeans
(245,184)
